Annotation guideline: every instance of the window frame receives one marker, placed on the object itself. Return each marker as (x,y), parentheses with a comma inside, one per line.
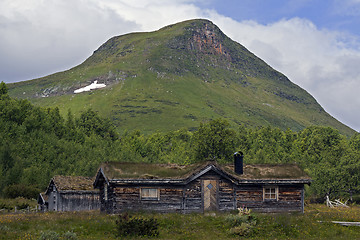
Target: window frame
(153,197)
(270,194)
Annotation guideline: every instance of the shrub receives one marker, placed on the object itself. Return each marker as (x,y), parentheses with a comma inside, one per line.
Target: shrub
(19,203)
(70,236)
(5,205)
(236,220)
(356,199)
(128,225)
(21,190)
(49,235)
(242,230)
(22,205)
(242,223)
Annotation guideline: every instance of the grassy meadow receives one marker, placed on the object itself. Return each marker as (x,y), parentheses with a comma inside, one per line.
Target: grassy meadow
(314,224)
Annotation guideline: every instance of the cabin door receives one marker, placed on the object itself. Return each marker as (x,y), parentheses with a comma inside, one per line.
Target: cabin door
(210,195)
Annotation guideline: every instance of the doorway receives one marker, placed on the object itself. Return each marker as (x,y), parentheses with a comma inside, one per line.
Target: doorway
(210,189)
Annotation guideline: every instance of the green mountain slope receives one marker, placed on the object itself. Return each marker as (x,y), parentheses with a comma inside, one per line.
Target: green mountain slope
(177,77)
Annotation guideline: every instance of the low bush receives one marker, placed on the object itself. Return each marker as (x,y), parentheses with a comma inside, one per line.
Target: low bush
(19,203)
(243,229)
(21,190)
(70,236)
(136,226)
(356,199)
(241,223)
(49,235)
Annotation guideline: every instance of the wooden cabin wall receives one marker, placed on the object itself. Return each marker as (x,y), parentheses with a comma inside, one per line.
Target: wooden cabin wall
(78,201)
(53,201)
(189,198)
(226,197)
(128,198)
(225,192)
(106,205)
(193,197)
(289,199)
(73,201)
(184,199)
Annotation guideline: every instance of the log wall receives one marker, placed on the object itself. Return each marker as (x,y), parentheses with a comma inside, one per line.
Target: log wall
(189,198)
(79,201)
(193,197)
(74,201)
(128,198)
(226,197)
(289,199)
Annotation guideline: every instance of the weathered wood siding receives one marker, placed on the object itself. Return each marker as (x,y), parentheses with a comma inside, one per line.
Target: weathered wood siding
(78,201)
(73,201)
(190,198)
(289,199)
(128,198)
(184,199)
(225,191)
(193,197)
(226,195)
(53,201)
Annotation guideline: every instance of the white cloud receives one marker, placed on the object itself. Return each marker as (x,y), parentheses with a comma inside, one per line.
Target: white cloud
(347,7)
(39,37)
(154,14)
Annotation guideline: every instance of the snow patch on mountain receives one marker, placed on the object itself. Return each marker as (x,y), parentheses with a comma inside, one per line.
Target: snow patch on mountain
(90,87)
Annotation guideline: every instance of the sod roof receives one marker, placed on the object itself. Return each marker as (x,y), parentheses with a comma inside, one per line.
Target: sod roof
(75,183)
(268,171)
(118,170)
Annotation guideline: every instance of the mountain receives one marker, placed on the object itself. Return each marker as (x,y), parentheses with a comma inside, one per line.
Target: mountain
(175,78)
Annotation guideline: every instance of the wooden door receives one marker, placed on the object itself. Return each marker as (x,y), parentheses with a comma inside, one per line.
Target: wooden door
(210,195)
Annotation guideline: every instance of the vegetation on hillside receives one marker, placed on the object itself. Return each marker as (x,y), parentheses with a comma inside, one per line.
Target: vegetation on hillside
(178,77)
(38,143)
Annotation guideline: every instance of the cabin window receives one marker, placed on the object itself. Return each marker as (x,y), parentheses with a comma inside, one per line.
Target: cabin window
(150,194)
(270,193)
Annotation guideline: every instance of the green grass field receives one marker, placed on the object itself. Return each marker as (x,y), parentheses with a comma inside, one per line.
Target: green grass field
(314,224)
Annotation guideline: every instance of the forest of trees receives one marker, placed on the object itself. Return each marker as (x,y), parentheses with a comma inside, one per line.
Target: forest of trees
(38,143)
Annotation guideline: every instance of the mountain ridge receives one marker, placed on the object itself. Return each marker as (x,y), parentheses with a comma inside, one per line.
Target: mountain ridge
(176,77)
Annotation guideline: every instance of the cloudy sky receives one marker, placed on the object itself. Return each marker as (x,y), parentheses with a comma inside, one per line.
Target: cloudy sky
(316,43)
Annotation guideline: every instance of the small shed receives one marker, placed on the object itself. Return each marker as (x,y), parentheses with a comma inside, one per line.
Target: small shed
(200,187)
(70,193)
(43,202)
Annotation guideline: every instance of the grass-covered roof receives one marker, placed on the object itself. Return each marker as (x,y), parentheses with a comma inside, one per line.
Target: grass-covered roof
(269,171)
(76,183)
(118,170)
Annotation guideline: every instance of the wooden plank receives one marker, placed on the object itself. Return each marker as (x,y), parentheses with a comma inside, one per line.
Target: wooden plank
(347,223)
(210,188)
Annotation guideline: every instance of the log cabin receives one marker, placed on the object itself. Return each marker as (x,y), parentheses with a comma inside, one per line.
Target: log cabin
(201,187)
(69,193)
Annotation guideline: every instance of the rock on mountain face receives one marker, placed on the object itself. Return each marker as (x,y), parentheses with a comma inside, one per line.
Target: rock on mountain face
(177,77)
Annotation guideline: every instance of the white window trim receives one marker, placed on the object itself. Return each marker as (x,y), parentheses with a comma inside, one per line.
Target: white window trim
(157,198)
(276,193)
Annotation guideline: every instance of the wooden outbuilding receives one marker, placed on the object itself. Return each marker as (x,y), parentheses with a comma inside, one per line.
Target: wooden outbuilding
(43,202)
(70,193)
(200,187)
